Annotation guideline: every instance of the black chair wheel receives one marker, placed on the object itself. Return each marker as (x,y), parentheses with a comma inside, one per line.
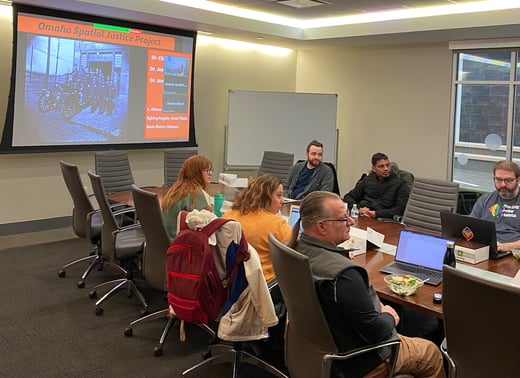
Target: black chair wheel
(144,312)
(92,294)
(99,311)
(157,351)
(129,331)
(129,294)
(61,273)
(81,284)
(100,267)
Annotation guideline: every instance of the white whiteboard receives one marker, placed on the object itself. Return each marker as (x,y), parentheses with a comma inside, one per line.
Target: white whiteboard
(278,121)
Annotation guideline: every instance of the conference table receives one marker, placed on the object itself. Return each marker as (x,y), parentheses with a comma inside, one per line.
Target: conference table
(373,260)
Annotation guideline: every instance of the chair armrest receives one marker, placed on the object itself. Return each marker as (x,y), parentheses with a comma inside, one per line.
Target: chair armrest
(451,364)
(272,284)
(393,343)
(126,213)
(134,226)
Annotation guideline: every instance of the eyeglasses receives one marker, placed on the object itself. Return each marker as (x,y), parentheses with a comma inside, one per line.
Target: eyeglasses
(209,170)
(345,219)
(507,181)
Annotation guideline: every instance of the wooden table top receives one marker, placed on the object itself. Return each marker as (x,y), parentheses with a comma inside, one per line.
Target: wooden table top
(422,300)
(373,260)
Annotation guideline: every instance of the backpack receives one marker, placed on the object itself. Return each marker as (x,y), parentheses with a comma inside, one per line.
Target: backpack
(195,290)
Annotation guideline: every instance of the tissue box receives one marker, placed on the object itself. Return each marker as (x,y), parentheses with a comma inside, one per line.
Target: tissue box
(232,180)
(471,252)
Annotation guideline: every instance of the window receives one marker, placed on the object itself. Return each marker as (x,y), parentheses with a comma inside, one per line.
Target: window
(486,114)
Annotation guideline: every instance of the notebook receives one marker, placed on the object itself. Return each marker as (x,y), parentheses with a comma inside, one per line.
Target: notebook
(478,230)
(420,255)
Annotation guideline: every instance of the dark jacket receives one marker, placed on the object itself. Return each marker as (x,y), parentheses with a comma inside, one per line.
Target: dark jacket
(350,304)
(387,197)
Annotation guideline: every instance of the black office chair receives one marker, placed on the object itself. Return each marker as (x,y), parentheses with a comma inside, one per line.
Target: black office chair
(86,221)
(121,247)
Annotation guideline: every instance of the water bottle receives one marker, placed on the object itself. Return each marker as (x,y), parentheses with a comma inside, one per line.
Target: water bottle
(449,256)
(354,212)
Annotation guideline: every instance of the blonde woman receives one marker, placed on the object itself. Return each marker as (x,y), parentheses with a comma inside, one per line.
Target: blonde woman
(188,192)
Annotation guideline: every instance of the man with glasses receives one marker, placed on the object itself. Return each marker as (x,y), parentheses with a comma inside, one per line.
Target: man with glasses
(309,175)
(353,311)
(502,206)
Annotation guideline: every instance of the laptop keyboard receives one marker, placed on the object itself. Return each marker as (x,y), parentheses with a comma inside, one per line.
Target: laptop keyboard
(417,270)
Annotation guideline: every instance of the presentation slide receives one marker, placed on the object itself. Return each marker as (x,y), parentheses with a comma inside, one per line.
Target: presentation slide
(85,83)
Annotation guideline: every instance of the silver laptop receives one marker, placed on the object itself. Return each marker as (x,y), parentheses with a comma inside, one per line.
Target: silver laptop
(418,254)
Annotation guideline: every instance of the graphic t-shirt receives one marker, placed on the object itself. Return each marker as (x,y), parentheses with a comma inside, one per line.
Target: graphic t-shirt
(504,212)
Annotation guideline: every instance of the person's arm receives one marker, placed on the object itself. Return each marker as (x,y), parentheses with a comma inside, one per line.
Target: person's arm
(355,195)
(289,184)
(401,199)
(353,296)
(327,180)
(478,208)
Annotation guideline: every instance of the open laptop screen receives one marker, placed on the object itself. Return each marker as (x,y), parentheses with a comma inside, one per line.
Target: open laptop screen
(421,249)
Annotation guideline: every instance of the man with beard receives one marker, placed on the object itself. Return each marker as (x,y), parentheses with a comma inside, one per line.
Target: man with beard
(502,206)
(310,175)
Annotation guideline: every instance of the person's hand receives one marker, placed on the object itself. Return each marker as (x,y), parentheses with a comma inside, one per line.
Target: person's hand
(502,247)
(366,212)
(391,311)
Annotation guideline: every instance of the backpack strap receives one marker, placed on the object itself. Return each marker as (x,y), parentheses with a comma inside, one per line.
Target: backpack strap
(181,221)
(213,226)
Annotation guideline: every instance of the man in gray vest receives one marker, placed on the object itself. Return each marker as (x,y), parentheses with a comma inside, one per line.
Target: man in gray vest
(310,175)
(353,311)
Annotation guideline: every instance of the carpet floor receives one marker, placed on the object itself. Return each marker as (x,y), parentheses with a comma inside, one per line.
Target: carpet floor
(48,327)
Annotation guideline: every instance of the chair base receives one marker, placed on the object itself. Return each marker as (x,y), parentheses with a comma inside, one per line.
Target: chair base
(118,284)
(95,259)
(164,313)
(236,355)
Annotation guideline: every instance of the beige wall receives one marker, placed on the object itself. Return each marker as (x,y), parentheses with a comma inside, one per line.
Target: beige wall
(391,99)
(394,100)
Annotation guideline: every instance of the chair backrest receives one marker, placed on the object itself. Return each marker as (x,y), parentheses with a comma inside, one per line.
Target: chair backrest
(481,343)
(109,221)
(428,198)
(82,206)
(115,169)
(173,160)
(406,176)
(335,188)
(156,237)
(308,337)
(276,163)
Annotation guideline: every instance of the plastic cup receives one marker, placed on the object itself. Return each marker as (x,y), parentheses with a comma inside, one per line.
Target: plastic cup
(218,201)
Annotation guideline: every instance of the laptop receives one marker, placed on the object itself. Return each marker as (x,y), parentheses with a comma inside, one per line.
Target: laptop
(420,255)
(478,230)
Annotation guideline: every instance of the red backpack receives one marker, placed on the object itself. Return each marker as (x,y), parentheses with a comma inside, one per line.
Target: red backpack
(195,290)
